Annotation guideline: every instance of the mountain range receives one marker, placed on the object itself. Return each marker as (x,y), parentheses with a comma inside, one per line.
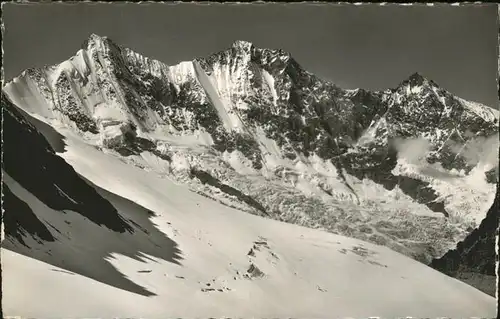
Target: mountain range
(247,131)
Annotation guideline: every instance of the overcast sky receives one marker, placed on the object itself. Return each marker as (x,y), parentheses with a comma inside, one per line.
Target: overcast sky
(370,46)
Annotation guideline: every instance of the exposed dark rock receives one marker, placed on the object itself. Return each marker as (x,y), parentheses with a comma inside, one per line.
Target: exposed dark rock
(70,106)
(206,178)
(244,143)
(378,165)
(475,256)
(19,221)
(254,272)
(33,164)
(54,138)
(492,175)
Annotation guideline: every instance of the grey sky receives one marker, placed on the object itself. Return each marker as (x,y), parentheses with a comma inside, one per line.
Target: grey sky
(368,46)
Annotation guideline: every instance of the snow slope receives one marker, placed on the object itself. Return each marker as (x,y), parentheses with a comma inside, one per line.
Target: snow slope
(221,107)
(305,272)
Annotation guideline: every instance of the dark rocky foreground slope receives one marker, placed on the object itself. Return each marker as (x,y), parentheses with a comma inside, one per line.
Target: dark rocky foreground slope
(54,215)
(474,259)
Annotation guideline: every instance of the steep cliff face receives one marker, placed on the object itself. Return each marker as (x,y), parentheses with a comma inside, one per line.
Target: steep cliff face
(271,138)
(474,259)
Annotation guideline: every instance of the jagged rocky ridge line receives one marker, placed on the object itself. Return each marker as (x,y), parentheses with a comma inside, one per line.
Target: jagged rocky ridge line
(262,107)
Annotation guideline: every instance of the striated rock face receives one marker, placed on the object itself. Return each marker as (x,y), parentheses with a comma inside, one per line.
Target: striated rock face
(412,167)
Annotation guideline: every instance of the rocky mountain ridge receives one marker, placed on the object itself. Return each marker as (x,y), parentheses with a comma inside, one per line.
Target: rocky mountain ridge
(251,128)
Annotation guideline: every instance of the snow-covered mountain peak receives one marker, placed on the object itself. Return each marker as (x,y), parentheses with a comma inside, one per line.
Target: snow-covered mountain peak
(421,92)
(95,41)
(96,37)
(416,81)
(417,78)
(242,45)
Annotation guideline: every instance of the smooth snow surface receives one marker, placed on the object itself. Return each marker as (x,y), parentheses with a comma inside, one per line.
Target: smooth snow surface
(22,91)
(306,273)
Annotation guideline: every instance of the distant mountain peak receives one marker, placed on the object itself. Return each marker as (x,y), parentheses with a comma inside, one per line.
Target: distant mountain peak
(248,47)
(416,76)
(418,79)
(97,38)
(93,39)
(242,44)
(94,36)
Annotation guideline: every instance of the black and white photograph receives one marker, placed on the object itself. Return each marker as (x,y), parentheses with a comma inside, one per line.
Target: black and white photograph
(249,160)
